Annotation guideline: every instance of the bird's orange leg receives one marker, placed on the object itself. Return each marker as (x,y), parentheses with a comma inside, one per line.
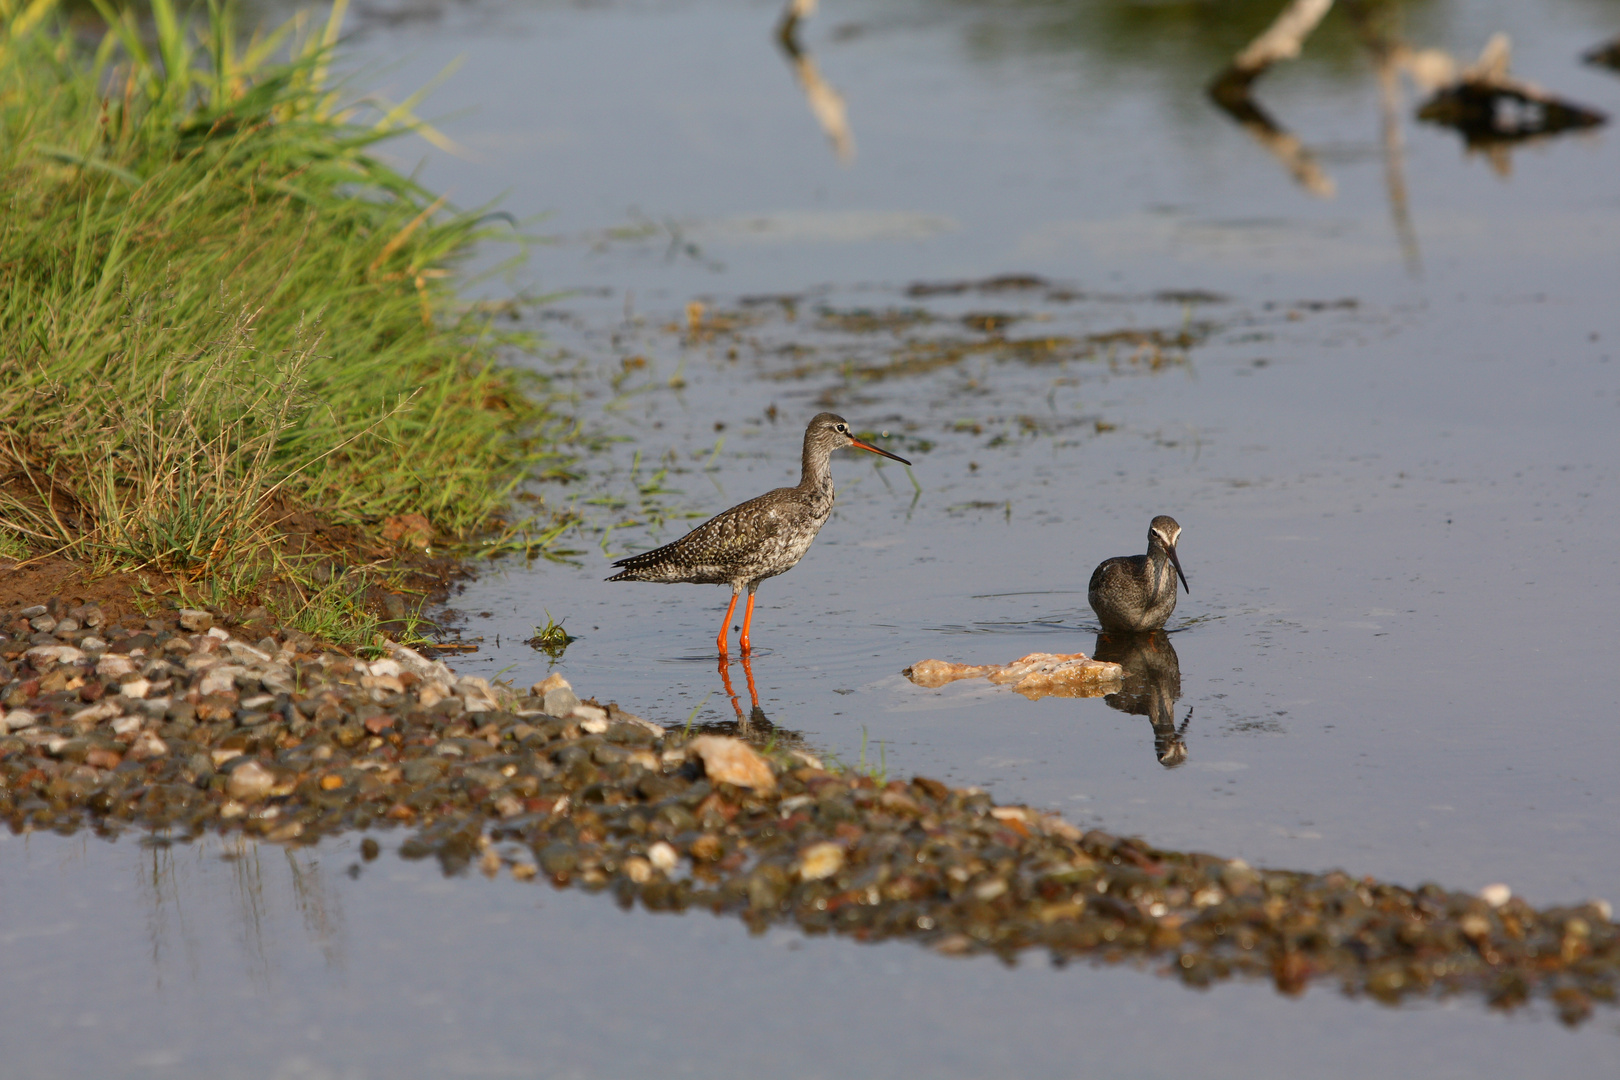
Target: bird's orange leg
(725,627)
(748,618)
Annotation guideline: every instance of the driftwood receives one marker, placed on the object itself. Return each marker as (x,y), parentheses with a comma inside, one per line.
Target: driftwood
(1035,676)
(1605,55)
(1281,40)
(826,104)
(1492,110)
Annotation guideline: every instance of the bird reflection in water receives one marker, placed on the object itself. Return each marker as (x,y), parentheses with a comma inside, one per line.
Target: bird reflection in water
(754,726)
(1152,684)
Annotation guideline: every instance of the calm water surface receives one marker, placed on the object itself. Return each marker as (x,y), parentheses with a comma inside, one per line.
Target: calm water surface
(1386,421)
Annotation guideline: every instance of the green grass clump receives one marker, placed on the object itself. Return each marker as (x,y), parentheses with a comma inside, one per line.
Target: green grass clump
(216,307)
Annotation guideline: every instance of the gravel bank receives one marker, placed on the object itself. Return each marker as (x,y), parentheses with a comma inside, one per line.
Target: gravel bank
(179,724)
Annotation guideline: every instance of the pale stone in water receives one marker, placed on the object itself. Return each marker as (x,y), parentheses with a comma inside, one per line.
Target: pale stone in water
(638,870)
(1496,895)
(821,861)
(232,809)
(732,761)
(663,856)
(250,782)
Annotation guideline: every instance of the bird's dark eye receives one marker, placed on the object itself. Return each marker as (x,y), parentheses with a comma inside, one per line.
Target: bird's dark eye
(841,427)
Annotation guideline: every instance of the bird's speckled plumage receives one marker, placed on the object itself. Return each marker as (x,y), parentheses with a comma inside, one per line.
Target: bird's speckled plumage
(1135,593)
(760,538)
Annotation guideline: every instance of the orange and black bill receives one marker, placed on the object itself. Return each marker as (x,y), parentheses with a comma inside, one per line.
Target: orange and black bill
(868,446)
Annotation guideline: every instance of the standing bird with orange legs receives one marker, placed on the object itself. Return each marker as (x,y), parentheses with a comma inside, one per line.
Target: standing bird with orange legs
(760,538)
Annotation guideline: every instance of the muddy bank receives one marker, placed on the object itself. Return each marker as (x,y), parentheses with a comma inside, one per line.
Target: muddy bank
(174,726)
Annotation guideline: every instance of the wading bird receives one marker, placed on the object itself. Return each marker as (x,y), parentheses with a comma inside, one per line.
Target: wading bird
(760,538)
(1133,593)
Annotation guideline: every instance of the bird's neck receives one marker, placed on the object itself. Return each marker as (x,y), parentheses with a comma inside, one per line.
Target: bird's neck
(1158,557)
(815,471)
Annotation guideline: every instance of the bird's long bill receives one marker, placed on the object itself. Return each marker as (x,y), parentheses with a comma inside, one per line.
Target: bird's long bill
(1175,562)
(876,450)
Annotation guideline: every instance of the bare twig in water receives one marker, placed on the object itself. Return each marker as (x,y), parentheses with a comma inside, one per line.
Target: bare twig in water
(1280,41)
(826,104)
(1230,90)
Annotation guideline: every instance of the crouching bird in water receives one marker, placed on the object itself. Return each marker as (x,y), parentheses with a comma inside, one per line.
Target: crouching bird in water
(1137,593)
(760,538)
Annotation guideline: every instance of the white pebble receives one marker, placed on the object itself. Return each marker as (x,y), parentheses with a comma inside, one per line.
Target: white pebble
(822,861)
(16,720)
(250,782)
(95,714)
(1496,895)
(663,856)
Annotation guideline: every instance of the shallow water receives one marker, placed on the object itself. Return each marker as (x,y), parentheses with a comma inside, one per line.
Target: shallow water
(214,960)
(1392,461)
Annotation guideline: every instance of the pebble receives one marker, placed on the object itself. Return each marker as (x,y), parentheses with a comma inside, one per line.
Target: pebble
(662,856)
(821,860)
(198,622)
(250,782)
(732,761)
(1496,895)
